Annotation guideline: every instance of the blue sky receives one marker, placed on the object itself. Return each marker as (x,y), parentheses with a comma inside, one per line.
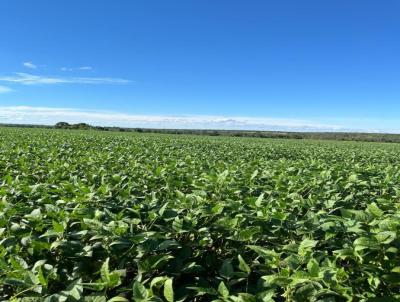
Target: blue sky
(290,65)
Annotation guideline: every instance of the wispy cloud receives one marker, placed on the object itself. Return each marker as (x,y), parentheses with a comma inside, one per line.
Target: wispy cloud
(50,116)
(76,68)
(30,79)
(29,65)
(4,89)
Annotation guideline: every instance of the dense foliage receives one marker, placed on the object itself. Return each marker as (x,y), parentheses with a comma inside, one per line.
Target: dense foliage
(97,216)
(337,136)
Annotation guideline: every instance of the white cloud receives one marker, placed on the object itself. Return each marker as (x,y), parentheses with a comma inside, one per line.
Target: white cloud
(4,89)
(76,68)
(30,79)
(50,116)
(29,65)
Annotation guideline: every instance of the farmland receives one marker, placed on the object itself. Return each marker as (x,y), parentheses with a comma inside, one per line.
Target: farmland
(97,216)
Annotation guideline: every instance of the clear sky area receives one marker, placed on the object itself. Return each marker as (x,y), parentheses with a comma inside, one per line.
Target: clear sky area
(270,65)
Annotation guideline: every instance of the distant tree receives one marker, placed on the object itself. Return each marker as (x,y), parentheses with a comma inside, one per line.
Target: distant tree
(83,126)
(80,126)
(62,125)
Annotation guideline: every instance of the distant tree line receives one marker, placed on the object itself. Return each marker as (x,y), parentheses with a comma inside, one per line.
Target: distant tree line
(25,126)
(341,136)
(84,126)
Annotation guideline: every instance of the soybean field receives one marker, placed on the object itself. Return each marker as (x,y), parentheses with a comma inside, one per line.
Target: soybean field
(106,217)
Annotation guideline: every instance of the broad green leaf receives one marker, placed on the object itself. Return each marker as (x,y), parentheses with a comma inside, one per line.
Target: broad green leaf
(74,290)
(386,237)
(306,245)
(254,174)
(313,268)
(158,281)
(223,290)
(396,269)
(139,292)
(264,252)
(259,200)
(243,265)
(104,271)
(168,290)
(226,269)
(375,210)
(353,178)
(118,299)
(362,243)
(41,277)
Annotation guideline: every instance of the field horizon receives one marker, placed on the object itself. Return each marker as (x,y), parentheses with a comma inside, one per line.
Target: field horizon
(323,135)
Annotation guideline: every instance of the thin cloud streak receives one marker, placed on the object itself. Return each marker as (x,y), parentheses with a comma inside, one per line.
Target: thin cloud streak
(30,79)
(50,116)
(5,89)
(76,68)
(29,65)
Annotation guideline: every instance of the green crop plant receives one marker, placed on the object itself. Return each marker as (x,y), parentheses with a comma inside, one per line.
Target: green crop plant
(97,216)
